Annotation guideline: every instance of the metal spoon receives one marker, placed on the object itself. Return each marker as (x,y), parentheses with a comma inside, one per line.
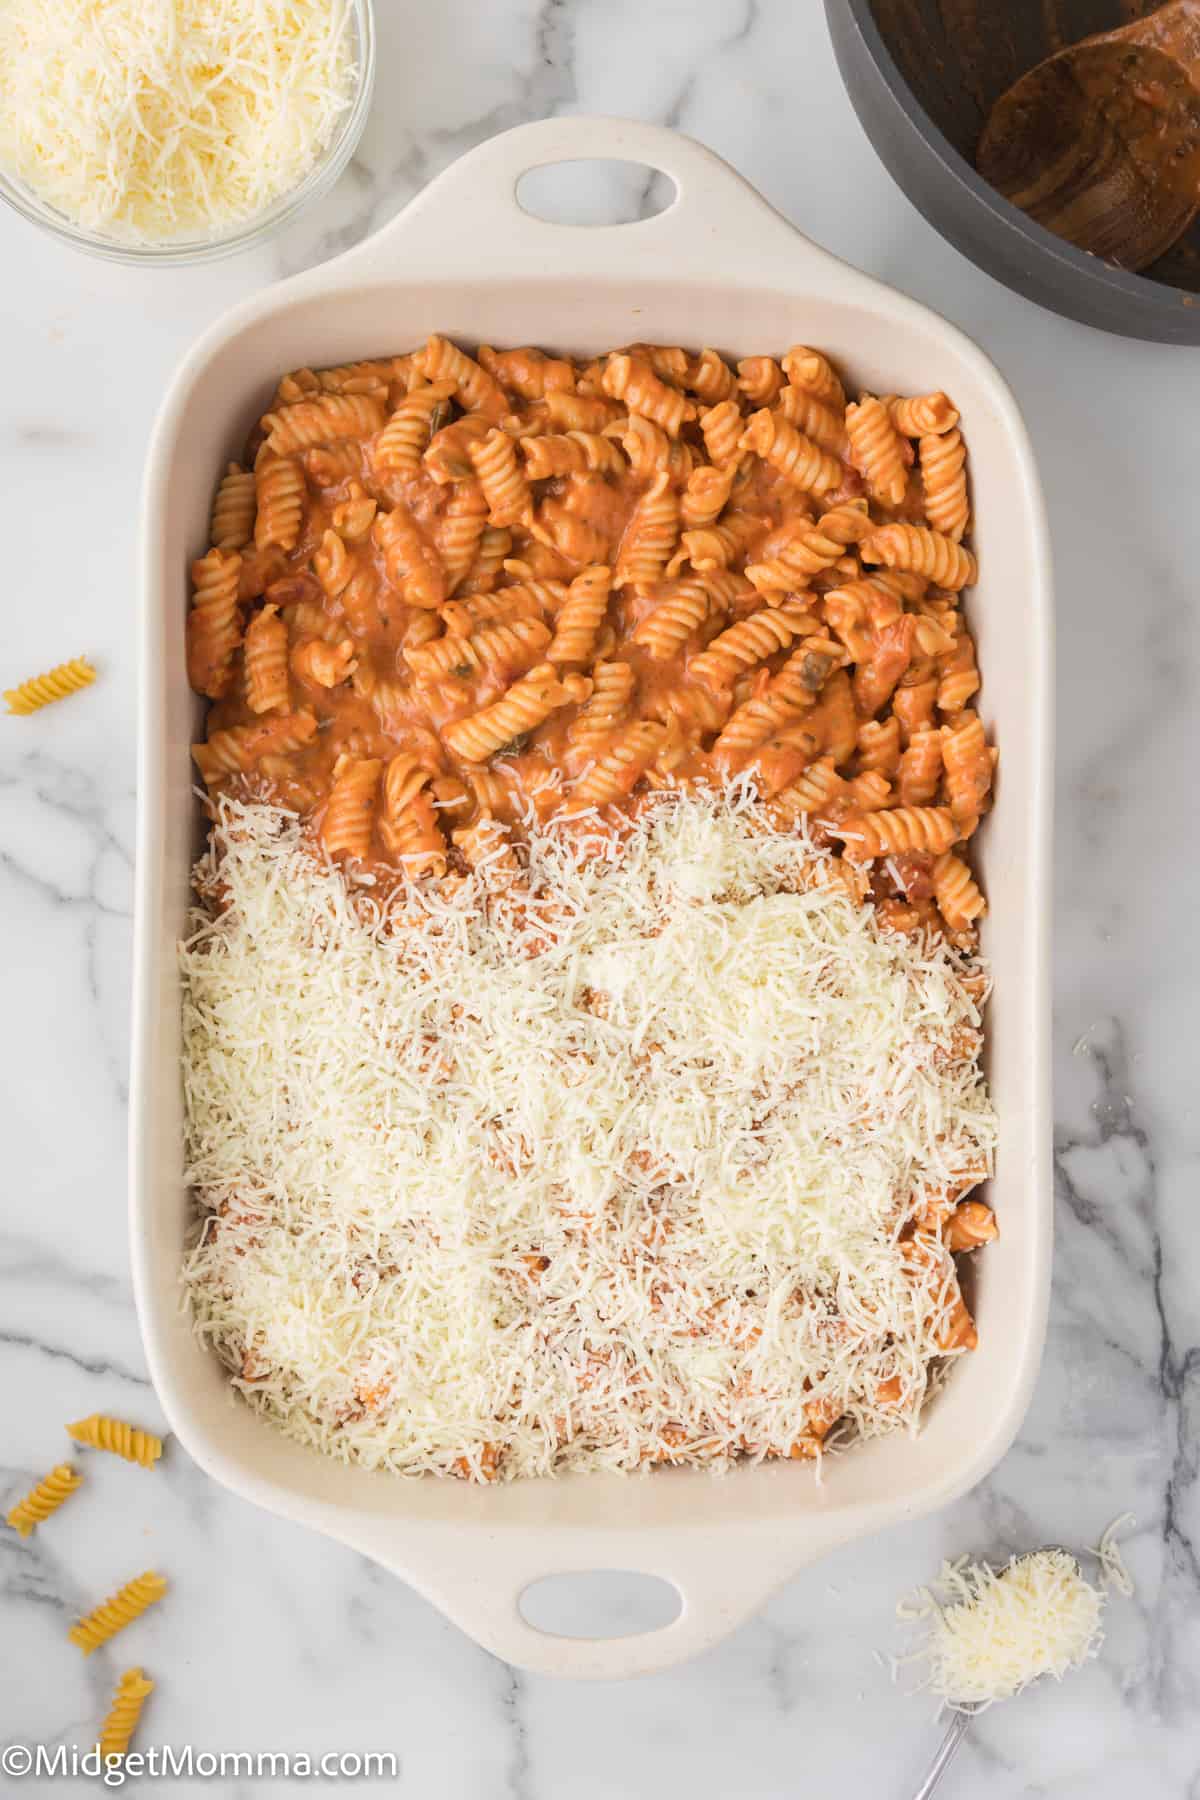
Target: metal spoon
(1101,142)
(960,1724)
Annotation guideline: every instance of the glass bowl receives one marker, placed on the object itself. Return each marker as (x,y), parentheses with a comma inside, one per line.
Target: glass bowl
(248,233)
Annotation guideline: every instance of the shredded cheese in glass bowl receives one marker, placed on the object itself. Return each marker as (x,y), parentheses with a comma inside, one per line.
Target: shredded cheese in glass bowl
(178,131)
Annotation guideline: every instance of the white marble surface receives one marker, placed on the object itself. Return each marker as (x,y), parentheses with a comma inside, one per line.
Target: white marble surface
(274,1639)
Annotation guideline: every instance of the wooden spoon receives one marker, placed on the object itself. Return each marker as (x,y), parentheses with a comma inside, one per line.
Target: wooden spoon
(1101,142)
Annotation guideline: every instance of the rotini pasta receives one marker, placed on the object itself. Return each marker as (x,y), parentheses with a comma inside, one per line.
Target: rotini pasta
(43,1499)
(116,1733)
(656,568)
(100,1432)
(56,684)
(121,1609)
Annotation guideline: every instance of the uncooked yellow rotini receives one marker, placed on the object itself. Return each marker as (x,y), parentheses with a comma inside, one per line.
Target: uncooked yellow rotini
(120,1610)
(44,1499)
(123,1440)
(116,1733)
(55,684)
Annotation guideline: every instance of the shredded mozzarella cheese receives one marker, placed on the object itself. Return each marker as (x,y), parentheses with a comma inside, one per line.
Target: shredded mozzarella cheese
(602,1166)
(149,120)
(990,1634)
(1113,1571)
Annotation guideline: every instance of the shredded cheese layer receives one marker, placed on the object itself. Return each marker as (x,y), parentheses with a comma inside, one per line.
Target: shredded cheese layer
(149,120)
(990,1634)
(608,1162)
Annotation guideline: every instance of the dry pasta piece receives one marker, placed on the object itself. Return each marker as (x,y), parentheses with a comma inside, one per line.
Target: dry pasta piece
(349,817)
(920,767)
(448,457)
(265,660)
(460,530)
(327,665)
(578,623)
(879,747)
(944,476)
(477,391)
(745,644)
(924,552)
(650,535)
(608,705)
(237,750)
(528,372)
(710,378)
(807,368)
(508,494)
(405,437)
(322,421)
(722,426)
(970,1225)
(280,496)
(800,461)
(126,1605)
(957,893)
(42,690)
(877,449)
(921,415)
(620,764)
(633,380)
(571,453)
(759,380)
(814,418)
(526,704)
(704,497)
(214,624)
(409,827)
(100,1432)
(869,835)
(43,1499)
(233,510)
(116,1733)
(968,761)
(412,562)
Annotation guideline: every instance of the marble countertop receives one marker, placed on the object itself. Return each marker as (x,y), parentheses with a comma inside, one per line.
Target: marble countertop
(275,1639)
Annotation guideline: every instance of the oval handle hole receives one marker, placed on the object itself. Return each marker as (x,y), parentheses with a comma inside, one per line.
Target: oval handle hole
(599,1603)
(595,191)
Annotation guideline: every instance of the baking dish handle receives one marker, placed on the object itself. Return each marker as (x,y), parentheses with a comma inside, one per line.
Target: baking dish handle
(722,1580)
(472,224)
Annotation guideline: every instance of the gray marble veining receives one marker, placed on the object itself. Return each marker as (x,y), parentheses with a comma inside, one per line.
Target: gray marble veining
(274,1639)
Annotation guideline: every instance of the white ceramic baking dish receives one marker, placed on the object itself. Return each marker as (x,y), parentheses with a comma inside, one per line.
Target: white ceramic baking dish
(717,267)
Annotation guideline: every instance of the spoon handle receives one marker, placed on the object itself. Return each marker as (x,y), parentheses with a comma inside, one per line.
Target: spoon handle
(946,1749)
